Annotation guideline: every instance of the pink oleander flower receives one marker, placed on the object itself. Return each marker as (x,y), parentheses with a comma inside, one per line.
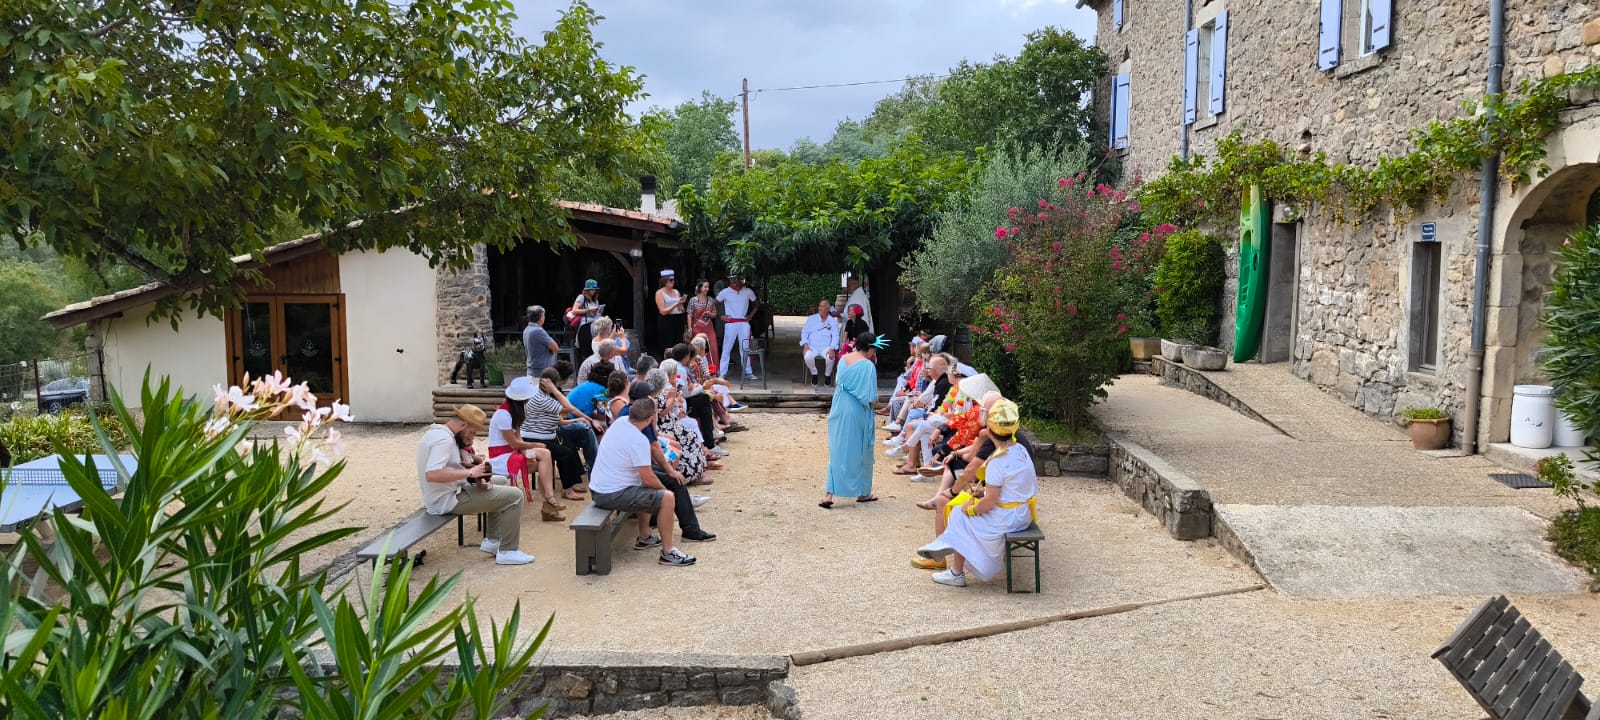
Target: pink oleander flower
(1047,264)
(1000,233)
(233,397)
(1058,305)
(1005,327)
(1011,347)
(1067,182)
(1072,309)
(1144,238)
(1043,203)
(1056,246)
(1062,182)
(1116,252)
(1122,329)
(1104,189)
(1120,196)
(1166,229)
(1134,206)
(340,412)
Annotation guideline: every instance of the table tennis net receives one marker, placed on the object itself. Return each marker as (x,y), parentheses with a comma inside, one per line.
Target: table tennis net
(53,476)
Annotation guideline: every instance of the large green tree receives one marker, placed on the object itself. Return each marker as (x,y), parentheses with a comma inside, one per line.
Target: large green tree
(643,153)
(171,135)
(29,293)
(696,132)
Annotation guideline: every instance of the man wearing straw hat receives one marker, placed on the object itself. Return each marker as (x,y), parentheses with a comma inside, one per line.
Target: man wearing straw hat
(449,488)
(973,539)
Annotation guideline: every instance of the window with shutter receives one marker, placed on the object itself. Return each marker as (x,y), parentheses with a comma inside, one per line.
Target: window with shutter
(1191,74)
(1219,62)
(1376,16)
(1328,38)
(1121,101)
(1116,14)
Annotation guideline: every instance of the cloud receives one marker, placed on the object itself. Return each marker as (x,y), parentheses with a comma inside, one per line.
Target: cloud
(686,46)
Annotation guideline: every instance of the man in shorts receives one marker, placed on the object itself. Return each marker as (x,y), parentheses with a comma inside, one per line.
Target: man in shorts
(623,480)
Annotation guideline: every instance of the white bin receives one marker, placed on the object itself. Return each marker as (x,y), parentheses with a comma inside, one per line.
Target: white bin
(1533,416)
(1567,433)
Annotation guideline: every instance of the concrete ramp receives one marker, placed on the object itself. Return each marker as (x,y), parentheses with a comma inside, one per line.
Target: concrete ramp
(1350,552)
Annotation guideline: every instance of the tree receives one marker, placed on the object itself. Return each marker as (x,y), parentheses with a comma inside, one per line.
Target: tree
(790,216)
(172,136)
(696,132)
(29,294)
(643,153)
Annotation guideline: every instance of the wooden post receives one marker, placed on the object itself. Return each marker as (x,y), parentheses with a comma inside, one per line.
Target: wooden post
(745,98)
(38,387)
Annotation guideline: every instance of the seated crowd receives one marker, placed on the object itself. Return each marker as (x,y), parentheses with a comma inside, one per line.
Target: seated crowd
(631,437)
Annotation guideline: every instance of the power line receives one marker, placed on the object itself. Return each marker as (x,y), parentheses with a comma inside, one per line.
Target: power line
(851,84)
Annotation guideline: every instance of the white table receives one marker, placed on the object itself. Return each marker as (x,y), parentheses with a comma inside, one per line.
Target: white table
(36,487)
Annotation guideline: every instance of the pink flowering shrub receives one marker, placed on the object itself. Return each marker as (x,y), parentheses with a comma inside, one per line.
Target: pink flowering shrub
(1058,311)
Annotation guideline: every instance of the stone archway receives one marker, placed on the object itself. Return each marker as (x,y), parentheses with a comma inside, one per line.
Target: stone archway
(1541,217)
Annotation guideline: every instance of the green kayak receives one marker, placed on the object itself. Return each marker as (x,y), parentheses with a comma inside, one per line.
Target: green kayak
(1255,225)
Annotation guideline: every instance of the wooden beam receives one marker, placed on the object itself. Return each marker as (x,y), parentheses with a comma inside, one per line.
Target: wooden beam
(619,220)
(611,244)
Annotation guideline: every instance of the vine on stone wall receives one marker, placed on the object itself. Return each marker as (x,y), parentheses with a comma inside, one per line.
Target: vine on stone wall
(1201,191)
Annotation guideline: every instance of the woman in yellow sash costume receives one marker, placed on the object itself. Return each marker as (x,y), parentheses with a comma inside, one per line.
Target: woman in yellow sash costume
(1002,502)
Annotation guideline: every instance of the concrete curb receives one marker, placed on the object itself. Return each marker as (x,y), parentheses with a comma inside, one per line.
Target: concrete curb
(1196,382)
(1174,498)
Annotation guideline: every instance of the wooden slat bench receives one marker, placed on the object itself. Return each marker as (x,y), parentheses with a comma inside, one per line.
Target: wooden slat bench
(397,542)
(1024,544)
(1510,669)
(594,530)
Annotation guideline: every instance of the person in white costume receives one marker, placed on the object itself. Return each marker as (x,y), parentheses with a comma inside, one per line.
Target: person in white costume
(1003,502)
(820,340)
(737,302)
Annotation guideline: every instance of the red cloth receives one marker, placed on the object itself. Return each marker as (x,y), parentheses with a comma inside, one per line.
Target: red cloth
(966,427)
(517,464)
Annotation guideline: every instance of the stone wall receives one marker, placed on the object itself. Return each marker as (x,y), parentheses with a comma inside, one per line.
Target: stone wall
(1173,497)
(603,683)
(462,309)
(1057,459)
(1354,278)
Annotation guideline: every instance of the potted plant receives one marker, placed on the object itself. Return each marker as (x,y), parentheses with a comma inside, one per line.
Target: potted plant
(509,360)
(1204,357)
(1182,335)
(1429,427)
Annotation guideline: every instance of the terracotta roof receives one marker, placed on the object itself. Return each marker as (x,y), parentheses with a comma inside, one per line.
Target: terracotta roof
(107,305)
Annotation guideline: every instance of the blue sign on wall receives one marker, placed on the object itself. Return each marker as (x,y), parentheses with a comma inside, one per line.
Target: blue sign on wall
(1430,232)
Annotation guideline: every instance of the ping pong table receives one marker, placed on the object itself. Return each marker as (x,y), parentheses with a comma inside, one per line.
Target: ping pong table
(37,487)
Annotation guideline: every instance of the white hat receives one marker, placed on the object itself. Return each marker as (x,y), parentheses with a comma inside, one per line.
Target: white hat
(977,386)
(668,273)
(520,389)
(966,370)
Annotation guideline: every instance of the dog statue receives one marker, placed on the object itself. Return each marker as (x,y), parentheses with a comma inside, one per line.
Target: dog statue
(474,361)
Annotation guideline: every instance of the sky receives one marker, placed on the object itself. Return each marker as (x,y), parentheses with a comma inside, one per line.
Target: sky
(685,46)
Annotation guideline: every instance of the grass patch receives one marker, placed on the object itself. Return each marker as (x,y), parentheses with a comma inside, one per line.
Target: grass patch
(1051,431)
(1576,535)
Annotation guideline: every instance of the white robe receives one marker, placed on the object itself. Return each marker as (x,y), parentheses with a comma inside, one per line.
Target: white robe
(980,538)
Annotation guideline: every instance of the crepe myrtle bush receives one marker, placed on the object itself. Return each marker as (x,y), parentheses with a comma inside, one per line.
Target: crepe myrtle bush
(186,597)
(1059,305)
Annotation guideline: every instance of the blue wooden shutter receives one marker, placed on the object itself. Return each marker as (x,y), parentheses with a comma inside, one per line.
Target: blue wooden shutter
(1116,14)
(1191,74)
(1122,100)
(1328,42)
(1382,16)
(1219,62)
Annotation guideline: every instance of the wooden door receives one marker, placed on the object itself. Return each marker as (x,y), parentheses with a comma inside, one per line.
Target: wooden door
(303,336)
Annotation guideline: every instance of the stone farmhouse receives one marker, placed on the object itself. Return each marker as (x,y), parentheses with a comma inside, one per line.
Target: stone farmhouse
(1377,313)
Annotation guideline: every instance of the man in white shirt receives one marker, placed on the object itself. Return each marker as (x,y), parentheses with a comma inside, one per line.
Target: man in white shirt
(623,480)
(736,301)
(449,488)
(820,340)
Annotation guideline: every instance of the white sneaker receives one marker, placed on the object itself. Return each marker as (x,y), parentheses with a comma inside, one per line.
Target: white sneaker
(893,441)
(953,579)
(512,557)
(897,451)
(720,434)
(718,452)
(490,546)
(935,550)
(893,427)
(698,500)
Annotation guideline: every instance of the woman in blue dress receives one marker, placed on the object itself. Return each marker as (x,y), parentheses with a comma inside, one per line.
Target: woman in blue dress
(850,436)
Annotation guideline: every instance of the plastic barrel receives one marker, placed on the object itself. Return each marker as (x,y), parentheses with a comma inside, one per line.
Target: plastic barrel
(1533,416)
(1567,432)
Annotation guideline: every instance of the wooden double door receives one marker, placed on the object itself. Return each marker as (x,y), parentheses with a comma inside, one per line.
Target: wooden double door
(301,335)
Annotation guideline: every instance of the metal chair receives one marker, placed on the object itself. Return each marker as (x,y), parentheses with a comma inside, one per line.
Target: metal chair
(756,348)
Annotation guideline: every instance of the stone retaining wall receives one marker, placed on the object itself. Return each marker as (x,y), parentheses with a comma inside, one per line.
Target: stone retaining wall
(1173,497)
(1057,459)
(1195,381)
(585,683)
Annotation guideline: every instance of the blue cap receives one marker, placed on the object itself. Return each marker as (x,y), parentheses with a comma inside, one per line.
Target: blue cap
(591,285)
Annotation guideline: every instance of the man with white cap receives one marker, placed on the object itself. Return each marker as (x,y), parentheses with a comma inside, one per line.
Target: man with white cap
(449,488)
(737,302)
(973,535)
(819,340)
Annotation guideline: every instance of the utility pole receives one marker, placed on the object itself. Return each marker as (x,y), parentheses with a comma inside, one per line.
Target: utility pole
(745,97)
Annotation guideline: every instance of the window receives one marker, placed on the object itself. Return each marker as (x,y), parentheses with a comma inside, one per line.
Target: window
(1116,14)
(1121,104)
(1426,271)
(1205,69)
(1361,26)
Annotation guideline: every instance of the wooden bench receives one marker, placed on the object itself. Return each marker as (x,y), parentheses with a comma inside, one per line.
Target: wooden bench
(593,530)
(1024,544)
(1510,669)
(398,540)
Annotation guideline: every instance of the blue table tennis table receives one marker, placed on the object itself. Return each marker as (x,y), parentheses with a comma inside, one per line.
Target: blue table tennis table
(37,487)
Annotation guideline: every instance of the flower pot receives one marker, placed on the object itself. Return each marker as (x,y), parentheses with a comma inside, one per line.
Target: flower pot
(1144,347)
(497,376)
(1173,349)
(1429,434)
(1204,358)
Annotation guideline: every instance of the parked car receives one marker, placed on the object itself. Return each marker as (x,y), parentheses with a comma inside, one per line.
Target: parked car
(58,394)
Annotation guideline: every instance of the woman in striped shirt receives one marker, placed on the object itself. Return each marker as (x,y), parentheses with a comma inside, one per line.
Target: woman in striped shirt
(541,419)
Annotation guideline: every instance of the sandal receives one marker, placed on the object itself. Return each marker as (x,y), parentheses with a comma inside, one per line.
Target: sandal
(928,505)
(867,498)
(825,504)
(899,471)
(573,496)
